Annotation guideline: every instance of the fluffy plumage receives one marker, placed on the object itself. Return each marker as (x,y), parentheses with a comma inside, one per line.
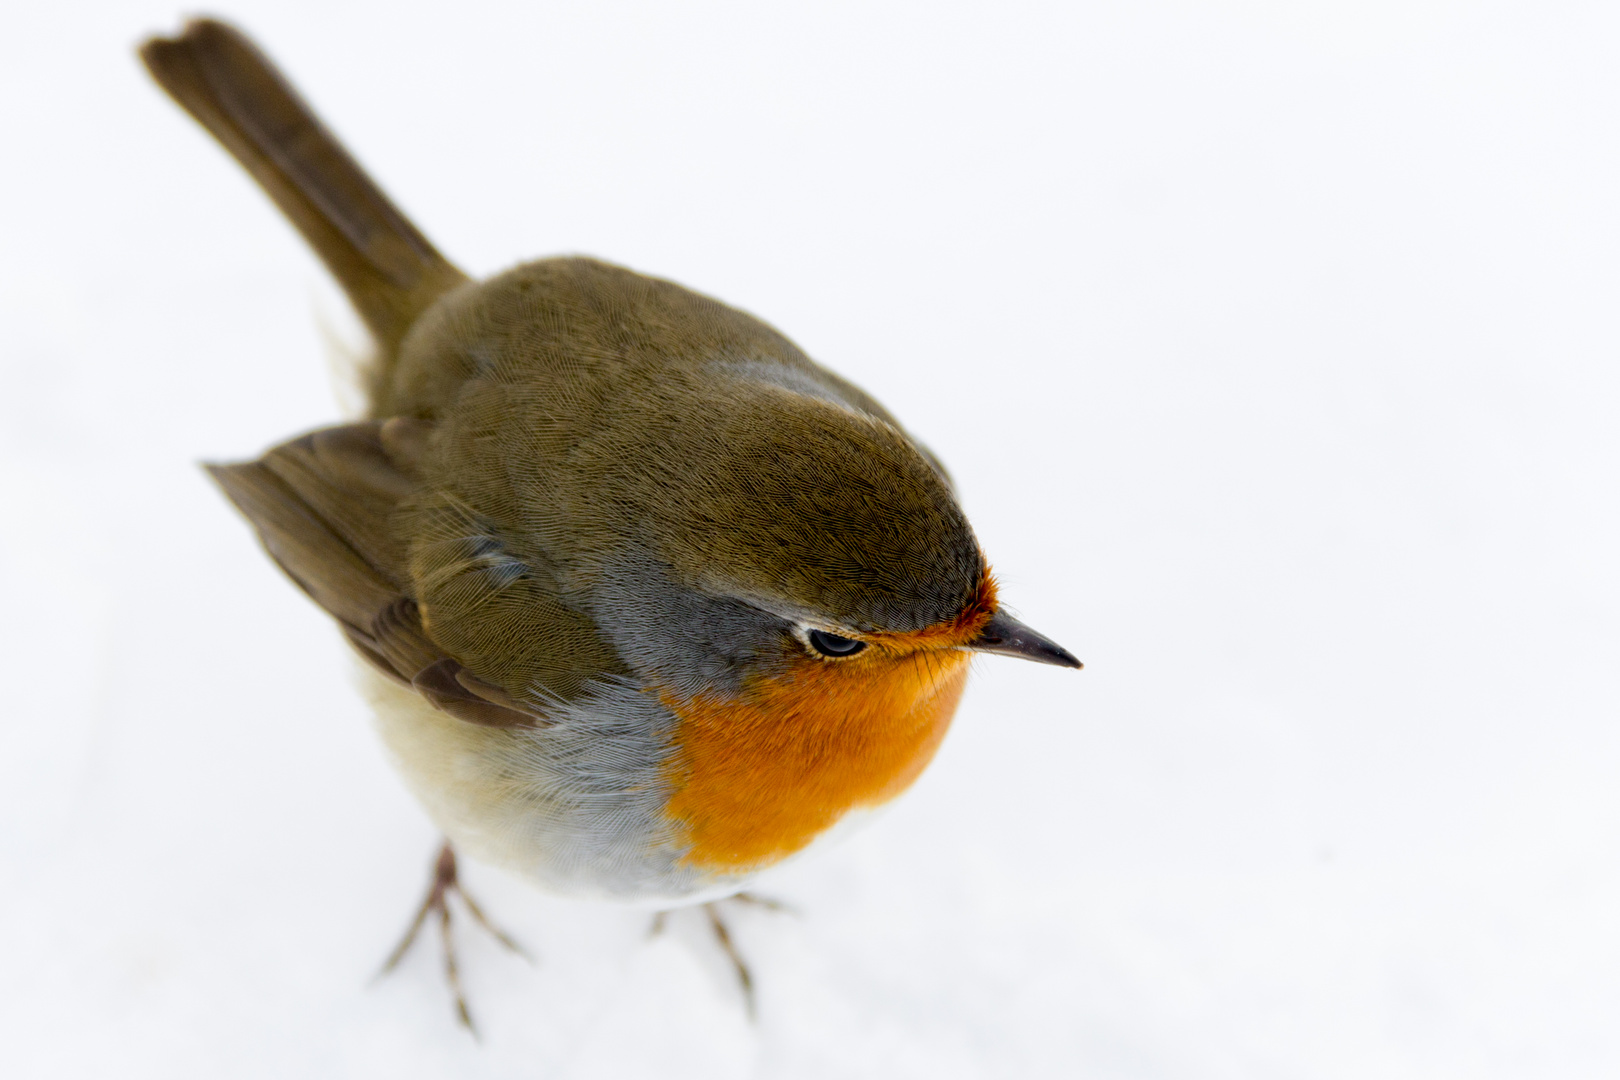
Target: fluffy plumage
(585,532)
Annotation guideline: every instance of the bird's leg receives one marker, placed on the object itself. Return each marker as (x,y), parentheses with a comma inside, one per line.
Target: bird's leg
(722,935)
(745,978)
(444,882)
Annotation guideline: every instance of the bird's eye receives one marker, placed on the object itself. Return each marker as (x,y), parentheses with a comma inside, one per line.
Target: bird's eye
(833,645)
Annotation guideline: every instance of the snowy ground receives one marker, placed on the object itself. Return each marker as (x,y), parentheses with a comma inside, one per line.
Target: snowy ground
(1273,346)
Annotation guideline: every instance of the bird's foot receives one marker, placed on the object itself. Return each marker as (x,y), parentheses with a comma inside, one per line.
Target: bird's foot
(722,936)
(443,883)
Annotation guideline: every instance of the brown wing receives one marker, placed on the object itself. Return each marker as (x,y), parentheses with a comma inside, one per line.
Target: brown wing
(324,506)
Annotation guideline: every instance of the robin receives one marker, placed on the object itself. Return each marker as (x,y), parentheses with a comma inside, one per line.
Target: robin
(649,600)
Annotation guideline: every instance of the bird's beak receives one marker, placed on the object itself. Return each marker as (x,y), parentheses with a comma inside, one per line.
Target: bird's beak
(1006,635)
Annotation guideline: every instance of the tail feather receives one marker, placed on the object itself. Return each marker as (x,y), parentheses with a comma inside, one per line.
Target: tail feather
(389,269)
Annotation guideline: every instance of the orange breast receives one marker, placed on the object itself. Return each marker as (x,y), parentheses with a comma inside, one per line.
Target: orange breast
(759,777)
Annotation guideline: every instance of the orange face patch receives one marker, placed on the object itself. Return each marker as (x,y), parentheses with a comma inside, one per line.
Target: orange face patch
(761,775)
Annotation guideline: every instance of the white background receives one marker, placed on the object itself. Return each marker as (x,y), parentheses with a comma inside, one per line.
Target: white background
(1273,346)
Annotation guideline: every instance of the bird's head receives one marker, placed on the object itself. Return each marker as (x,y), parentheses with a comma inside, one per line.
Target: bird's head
(805,594)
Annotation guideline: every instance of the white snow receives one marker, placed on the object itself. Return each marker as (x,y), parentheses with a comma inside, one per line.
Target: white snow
(1273,346)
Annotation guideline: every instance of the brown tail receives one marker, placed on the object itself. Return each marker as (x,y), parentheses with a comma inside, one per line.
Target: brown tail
(389,270)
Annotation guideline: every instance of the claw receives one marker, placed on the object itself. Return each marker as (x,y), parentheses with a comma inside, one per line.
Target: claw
(769,903)
(722,935)
(445,881)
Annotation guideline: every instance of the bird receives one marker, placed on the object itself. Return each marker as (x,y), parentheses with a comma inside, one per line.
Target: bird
(648,601)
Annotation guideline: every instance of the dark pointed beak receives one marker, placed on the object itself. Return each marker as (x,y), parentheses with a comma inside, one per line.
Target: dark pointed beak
(1006,635)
